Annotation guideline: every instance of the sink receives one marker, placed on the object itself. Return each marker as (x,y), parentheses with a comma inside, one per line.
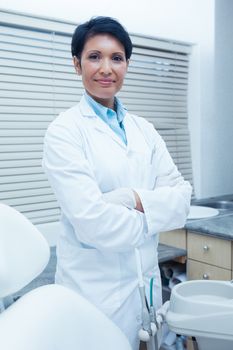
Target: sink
(201,212)
(217,204)
(204,208)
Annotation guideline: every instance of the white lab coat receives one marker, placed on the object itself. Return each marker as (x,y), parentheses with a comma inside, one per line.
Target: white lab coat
(84,158)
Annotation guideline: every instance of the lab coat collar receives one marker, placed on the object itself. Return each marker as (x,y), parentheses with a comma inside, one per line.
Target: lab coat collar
(86,109)
(99,124)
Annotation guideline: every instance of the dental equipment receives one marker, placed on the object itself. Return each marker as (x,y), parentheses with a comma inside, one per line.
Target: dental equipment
(204,310)
(150,324)
(151,320)
(200,309)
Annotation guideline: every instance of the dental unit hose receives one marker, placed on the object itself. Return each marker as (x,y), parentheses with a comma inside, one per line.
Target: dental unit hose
(148,331)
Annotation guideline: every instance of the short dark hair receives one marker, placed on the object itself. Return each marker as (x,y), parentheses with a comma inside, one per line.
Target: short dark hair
(100,25)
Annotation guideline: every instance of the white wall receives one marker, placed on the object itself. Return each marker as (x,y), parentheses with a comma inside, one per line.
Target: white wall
(187,20)
(220,148)
(154,17)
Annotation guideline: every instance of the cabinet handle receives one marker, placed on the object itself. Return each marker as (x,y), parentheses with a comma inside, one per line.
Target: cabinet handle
(206,248)
(205,276)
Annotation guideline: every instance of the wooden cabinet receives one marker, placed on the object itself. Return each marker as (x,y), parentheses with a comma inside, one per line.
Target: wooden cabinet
(210,250)
(197,271)
(175,238)
(208,257)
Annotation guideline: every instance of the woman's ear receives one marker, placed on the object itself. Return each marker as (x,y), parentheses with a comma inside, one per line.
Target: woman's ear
(77,65)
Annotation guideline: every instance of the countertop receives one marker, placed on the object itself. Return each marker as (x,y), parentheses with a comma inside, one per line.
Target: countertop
(219,226)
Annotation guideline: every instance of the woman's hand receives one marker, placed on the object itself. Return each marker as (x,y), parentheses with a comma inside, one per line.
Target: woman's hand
(124,196)
(138,206)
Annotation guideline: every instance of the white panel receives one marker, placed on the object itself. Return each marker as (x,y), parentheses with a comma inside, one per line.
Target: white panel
(33,201)
(34,22)
(6,164)
(152,43)
(152,85)
(23,185)
(18,179)
(149,96)
(159,57)
(19,194)
(29,206)
(21,140)
(26,170)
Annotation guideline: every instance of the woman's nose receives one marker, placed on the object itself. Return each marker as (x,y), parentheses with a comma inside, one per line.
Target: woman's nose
(106,67)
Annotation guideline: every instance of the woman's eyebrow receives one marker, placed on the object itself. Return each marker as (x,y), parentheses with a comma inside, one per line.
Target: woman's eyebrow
(118,53)
(113,53)
(93,50)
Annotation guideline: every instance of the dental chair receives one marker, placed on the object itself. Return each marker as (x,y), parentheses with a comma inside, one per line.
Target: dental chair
(50,317)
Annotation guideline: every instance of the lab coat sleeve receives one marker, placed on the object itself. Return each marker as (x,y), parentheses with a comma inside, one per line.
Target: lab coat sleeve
(102,225)
(166,206)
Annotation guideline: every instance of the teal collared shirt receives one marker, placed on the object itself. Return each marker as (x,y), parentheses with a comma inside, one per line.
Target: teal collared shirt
(109,116)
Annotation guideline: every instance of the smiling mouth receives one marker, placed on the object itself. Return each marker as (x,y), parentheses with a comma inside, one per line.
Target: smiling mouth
(104,82)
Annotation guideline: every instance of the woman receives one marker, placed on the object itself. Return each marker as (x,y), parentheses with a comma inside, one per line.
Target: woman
(114,180)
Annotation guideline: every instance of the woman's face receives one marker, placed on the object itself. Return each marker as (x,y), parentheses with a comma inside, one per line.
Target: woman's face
(103,67)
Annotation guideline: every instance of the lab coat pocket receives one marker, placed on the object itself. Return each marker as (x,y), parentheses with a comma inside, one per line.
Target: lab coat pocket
(143,169)
(149,170)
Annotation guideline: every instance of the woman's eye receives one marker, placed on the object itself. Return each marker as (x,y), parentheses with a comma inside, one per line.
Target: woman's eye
(118,58)
(94,57)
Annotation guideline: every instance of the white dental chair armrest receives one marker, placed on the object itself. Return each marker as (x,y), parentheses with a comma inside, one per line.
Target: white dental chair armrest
(54,317)
(24,252)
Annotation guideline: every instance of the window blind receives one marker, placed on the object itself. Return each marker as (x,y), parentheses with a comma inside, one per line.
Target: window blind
(156,88)
(38,81)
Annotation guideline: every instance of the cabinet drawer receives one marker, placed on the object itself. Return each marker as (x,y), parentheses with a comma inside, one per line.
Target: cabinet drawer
(210,250)
(175,238)
(197,270)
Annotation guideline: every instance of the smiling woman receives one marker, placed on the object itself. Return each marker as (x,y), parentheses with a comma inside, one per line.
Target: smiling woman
(115,182)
